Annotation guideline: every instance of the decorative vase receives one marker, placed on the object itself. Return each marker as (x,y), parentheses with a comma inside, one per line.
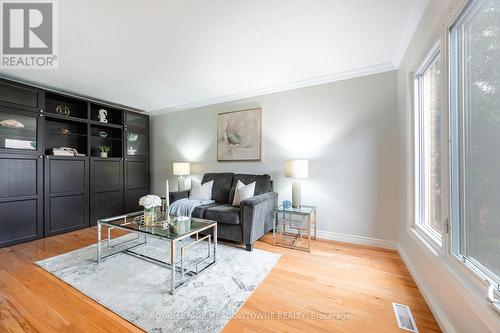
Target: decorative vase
(103,154)
(149,216)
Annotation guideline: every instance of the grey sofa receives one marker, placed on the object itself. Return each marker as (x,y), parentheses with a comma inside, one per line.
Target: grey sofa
(246,223)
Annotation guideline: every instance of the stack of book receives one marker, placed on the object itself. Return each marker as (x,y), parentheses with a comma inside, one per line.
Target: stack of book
(65,151)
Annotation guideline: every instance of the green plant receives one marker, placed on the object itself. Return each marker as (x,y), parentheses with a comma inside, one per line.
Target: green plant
(104,149)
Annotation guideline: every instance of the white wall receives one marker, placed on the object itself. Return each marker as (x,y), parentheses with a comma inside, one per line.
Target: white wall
(347,130)
(457,302)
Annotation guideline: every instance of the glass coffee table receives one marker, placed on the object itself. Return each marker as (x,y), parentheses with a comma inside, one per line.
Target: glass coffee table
(171,232)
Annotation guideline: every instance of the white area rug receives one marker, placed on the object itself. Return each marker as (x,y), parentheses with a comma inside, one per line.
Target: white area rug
(139,291)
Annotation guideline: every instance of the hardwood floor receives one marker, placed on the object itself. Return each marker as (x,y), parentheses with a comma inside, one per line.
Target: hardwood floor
(336,288)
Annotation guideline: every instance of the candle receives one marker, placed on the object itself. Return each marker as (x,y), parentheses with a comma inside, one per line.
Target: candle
(167,198)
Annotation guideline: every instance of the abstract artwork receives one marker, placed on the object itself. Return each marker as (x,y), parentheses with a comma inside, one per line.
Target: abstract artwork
(238,135)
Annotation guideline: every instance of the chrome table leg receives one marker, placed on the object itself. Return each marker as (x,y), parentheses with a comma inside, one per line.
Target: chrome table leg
(215,243)
(172,266)
(109,237)
(98,242)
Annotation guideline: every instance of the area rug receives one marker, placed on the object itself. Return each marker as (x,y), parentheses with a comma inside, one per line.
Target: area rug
(138,290)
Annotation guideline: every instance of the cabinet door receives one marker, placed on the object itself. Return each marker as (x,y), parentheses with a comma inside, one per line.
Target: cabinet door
(138,121)
(136,184)
(18,96)
(20,132)
(66,194)
(137,144)
(21,198)
(106,199)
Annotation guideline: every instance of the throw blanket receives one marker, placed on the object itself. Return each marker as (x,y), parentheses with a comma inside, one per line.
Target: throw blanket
(185,207)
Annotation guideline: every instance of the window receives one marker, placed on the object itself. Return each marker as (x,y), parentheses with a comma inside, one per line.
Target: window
(428,148)
(475,134)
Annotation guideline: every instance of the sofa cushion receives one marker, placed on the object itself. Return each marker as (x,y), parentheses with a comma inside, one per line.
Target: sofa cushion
(199,211)
(243,192)
(201,192)
(226,214)
(262,183)
(221,187)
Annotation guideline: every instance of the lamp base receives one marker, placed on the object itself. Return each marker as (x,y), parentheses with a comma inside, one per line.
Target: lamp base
(180,183)
(296,195)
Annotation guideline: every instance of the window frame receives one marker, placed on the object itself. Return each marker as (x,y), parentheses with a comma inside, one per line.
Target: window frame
(432,239)
(456,163)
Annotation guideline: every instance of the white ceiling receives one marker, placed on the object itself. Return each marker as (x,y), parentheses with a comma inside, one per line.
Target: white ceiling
(182,53)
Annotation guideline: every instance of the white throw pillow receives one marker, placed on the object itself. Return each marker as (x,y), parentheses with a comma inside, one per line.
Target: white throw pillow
(201,192)
(243,192)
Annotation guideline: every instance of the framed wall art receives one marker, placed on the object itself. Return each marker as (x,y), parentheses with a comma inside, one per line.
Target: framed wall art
(239,135)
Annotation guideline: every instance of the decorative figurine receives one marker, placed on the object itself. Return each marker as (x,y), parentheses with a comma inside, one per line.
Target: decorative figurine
(131,150)
(132,137)
(11,123)
(103,134)
(63,110)
(102,116)
(63,130)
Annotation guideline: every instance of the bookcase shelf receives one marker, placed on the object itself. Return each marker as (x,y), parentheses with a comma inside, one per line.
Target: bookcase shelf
(113,116)
(65,133)
(63,106)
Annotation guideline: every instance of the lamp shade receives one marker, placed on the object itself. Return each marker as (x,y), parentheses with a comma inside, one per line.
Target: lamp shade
(181,168)
(297,168)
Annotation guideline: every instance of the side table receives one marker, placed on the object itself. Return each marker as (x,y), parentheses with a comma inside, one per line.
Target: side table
(293,227)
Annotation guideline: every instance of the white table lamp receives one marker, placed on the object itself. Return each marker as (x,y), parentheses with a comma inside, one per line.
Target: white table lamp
(181,169)
(296,169)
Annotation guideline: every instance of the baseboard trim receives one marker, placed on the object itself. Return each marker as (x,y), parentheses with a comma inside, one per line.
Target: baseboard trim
(440,316)
(360,240)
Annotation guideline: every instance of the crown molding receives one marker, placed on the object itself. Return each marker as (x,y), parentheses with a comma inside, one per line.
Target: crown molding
(350,74)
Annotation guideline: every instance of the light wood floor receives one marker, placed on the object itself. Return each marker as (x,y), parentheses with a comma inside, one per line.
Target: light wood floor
(335,279)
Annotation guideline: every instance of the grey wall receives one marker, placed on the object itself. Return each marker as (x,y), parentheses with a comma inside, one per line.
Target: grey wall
(347,130)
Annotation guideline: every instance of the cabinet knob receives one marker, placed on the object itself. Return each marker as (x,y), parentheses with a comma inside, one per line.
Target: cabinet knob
(41,115)
(41,156)
(47,157)
(41,110)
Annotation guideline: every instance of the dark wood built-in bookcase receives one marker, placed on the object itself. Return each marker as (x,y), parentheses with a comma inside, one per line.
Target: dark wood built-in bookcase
(42,194)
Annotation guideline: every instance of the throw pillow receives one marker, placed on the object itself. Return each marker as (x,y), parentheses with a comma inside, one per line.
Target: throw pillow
(199,191)
(243,192)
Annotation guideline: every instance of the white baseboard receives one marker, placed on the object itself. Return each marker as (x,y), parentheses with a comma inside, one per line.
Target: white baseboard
(441,318)
(357,239)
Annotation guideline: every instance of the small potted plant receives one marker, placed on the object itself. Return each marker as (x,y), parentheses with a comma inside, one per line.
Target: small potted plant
(150,202)
(104,150)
